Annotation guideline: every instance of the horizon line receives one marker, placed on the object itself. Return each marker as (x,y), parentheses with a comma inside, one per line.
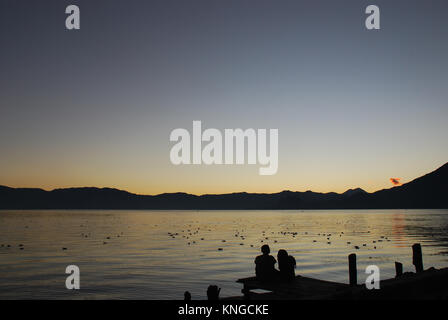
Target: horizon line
(188,193)
(235,192)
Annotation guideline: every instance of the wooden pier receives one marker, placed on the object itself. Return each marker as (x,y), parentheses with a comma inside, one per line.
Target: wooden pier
(300,288)
(423,284)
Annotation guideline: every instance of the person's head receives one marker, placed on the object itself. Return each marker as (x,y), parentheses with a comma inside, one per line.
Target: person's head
(213,292)
(282,254)
(265,249)
(187,296)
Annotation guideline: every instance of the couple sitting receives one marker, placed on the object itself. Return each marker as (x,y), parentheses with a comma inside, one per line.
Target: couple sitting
(265,270)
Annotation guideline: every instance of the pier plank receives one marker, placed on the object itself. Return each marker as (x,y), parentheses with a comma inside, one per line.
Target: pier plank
(300,288)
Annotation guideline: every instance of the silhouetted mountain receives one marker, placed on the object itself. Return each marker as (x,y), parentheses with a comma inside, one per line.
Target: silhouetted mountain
(353,192)
(429,191)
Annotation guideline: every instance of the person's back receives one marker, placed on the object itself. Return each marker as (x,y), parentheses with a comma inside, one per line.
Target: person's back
(286,265)
(264,265)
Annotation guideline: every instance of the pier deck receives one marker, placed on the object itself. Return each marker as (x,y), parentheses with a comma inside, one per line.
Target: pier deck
(428,284)
(300,288)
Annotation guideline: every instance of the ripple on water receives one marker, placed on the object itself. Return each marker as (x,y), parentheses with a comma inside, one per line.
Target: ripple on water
(147,255)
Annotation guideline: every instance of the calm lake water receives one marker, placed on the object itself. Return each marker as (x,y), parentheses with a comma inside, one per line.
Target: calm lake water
(160,254)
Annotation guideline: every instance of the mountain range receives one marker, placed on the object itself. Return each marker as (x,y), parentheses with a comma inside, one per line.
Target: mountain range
(428,191)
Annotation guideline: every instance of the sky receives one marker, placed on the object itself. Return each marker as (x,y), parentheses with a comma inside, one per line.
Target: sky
(96,106)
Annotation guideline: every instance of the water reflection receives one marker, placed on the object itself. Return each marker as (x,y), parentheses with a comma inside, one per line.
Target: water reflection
(161,254)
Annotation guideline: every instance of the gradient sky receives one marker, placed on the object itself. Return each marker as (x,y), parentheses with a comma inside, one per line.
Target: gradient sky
(95,107)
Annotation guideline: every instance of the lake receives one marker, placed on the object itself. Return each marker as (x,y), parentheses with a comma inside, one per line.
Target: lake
(161,254)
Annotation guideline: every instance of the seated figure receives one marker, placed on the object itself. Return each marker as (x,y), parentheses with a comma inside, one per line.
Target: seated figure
(264,265)
(286,265)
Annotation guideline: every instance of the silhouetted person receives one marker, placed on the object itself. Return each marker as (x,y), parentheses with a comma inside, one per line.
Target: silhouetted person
(213,293)
(286,265)
(187,296)
(264,265)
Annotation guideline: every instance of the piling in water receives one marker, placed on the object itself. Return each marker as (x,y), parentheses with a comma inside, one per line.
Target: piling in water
(417,259)
(398,269)
(353,272)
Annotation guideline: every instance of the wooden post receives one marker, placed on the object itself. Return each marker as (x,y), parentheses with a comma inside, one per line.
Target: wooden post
(246,292)
(417,259)
(398,269)
(352,271)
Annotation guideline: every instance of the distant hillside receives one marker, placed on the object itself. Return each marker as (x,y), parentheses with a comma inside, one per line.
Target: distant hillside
(428,191)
